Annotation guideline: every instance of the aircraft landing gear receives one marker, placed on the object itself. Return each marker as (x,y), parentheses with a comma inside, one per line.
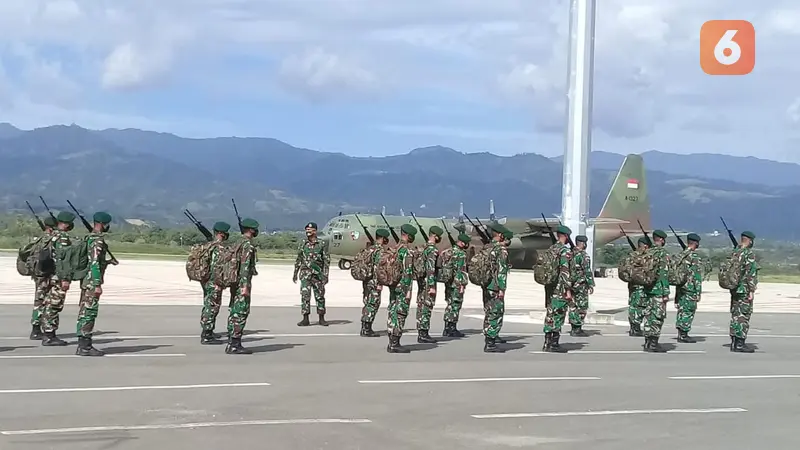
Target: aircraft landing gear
(344,264)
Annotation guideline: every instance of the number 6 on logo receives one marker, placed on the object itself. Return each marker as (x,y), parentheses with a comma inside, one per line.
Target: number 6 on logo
(727,47)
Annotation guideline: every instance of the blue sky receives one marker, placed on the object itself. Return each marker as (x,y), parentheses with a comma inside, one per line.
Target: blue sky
(377,77)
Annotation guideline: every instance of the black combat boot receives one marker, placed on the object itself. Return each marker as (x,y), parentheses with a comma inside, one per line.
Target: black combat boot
(636,330)
(322,321)
(51,340)
(551,343)
(653,346)
(363,332)
(85,348)
(454,332)
(554,341)
(577,331)
(235,347)
(683,336)
(395,347)
(632,331)
(304,322)
(423,337)
(209,338)
(490,346)
(36,333)
(740,347)
(733,344)
(448,329)
(370,332)
(546,345)
(500,340)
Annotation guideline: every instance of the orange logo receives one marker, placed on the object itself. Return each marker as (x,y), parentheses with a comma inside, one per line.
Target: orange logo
(727,47)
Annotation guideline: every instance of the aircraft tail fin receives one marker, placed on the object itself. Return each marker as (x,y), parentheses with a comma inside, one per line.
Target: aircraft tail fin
(491,210)
(628,199)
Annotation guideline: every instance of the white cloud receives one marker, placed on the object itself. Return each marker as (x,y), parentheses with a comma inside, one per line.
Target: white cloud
(129,66)
(319,74)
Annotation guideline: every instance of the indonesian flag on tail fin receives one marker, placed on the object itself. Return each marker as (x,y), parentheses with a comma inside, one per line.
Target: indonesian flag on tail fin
(633,184)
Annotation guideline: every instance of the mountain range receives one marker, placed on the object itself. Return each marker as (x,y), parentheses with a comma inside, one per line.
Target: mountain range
(152,176)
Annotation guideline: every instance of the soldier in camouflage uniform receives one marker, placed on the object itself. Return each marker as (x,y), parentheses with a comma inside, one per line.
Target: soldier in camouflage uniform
(559,295)
(240,307)
(687,296)
(636,298)
(426,286)
(92,284)
(582,286)
(454,290)
(657,295)
(212,294)
(56,290)
(370,288)
(400,294)
(742,296)
(312,267)
(494,293)
(41,284)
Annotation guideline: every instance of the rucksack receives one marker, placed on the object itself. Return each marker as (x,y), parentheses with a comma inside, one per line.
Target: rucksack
(390,269)
(72,261)
(730,272)
(198,264)
(545,272)
(480,267)
(643,268)
(419,263)
(624,268)
(36,259)
(226,267)
(678,273)
(445,272)
(362,267)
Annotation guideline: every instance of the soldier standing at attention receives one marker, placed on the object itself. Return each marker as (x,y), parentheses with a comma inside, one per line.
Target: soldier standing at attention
(41,284)
(312,267)
(657,295)
(454,291)
(494,294)
(636,299)
(212,294)
(371,288)
(559,295)
(426,286)
(56,290)
(400,294)
(582,286)
(687,296)
(92,284)
(742,296)
(240,307)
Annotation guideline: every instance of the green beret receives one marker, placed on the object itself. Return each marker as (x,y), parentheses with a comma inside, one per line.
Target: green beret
(660,234)
(438,231)
(311,225)
(49,221)
(643,240)
(102,217)
(581,238)
(409,229)
(507,235)
(222,227)
(250,223)
(562,229)
(749,234)
(65,217)
(498,228)
(382,233)
(693,237)
(464,238)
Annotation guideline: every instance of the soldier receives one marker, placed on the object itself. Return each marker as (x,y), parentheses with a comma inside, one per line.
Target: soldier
(312,267)
(56,290)
(657,295)
(92,284)
(636,298)
(41,284)
(582,286)
(426,286)
(370,287)
(494,293)
(400,294)
(240,307)
(687,296)
(742,296)
(559,295)
(212,294)
(454,291)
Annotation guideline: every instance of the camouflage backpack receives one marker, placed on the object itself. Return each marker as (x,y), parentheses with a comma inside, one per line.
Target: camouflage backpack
(226,267)
(624,268)
(445,272)
(72,261)
(36,259)
(480,267)
(730,272)
(198,265)
(390,269)
(643,268)
(678,272)
(545,272)
(419,263)
(362,268)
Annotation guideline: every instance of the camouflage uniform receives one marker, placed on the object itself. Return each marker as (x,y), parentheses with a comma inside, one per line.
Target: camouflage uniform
(400,294)
(240,308)
(494,304)
(41,285)
(371,291)
(687,296)
(54,295)
(212,294)
(90,300)
(582,283)
(454,290)
(742,296)
(636,303)
(312,267)
(556,297)
(656,297)
(426,300)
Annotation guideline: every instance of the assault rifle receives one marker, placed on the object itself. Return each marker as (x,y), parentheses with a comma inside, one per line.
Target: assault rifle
(553,239)
(646,236)
(449,236)
(38,220)
(680,241)
(47,208)
(569,239)
(421,230)
(366,230)
(238,217)
(485,229)
(200,227)
(391,229)
(484,237)
(630,242)
(90,229)
(730,233)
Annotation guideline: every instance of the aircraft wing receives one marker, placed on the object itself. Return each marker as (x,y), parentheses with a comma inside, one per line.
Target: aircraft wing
(539,225)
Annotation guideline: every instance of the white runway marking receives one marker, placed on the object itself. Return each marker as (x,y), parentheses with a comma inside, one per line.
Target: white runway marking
(142,355)
(734,377)
(179,426)
(131,388)
(477,380)
(610,413)
(618,352)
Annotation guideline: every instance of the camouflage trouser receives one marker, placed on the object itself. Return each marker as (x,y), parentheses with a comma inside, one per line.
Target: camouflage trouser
(687,305)
(578,307)
(42,284)
(425,303)
(212,301)
(53,304)
(454,298)
(636,304)
(655,312)
(307,285)
(741,310)
(87,312)
(494,309)
(399,299)
(371,292)
(240,309)
(556,310)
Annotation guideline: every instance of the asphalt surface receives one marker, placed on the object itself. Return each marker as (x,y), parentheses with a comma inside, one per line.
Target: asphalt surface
(328,388)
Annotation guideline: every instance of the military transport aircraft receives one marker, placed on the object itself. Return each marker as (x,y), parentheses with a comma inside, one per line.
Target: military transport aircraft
(626,206)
